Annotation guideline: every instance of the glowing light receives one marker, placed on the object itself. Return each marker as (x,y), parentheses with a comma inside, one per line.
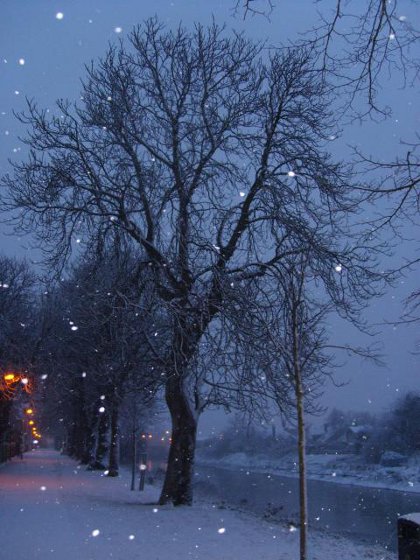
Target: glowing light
(242,194)
(102,409)
(9,377)
(59,15)
(44,376)
(118,29)
(95,532)
(21,61)
(131,537)
(392,36)
(338,268)
(43,488)
(74,328)
(24,381)
(291,174)
(143,467)
(31,422)
(29,411)
(35,441)
(221,530)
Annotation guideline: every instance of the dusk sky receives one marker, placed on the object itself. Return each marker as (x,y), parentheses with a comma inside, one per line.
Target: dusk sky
(42,56)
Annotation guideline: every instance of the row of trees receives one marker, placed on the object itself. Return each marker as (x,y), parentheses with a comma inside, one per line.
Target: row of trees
(17,347)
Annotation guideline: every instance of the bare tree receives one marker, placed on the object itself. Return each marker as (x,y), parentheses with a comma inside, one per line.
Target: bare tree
(214,162)
(360,43)
(98,352)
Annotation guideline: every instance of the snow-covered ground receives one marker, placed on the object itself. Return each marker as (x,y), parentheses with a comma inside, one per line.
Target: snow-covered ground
(52,508)
(342,469)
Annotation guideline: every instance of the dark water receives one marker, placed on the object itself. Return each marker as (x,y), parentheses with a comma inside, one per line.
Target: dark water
(367,514)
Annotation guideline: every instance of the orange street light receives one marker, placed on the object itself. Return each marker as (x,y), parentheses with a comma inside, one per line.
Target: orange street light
(31,422)
(29,411)
(9,377)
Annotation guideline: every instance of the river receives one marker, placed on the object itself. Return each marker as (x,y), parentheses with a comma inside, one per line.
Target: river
(362,513)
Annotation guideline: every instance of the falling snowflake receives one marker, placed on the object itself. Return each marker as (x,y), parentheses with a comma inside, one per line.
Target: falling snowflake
(338,268)
(242,194)
(291,174)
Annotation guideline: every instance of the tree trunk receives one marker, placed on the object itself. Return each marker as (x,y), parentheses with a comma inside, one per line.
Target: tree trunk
(102,445)
(133,458)
(114,447)
(303,500)
(177,487)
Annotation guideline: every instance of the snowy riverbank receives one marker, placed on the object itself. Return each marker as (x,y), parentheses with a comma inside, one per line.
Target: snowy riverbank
(340,469)
(62,511)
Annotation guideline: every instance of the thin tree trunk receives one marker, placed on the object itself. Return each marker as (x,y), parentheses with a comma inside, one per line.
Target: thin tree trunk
(177,487)
(114,447)
(303,500)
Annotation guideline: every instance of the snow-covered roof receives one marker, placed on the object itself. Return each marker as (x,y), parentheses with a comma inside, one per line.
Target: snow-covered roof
(415,517)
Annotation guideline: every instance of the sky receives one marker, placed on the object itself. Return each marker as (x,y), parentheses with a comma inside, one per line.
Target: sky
(44,45)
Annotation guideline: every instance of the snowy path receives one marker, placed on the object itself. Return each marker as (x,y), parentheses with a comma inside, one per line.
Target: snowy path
(49,508)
